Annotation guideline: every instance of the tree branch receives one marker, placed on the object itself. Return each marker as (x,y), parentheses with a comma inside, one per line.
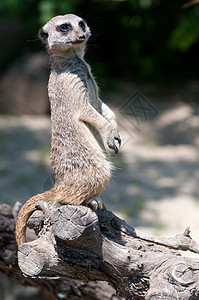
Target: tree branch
(190,3)
(76,243)
(54,288)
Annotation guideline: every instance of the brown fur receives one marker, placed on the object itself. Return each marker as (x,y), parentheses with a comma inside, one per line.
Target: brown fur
(81,124)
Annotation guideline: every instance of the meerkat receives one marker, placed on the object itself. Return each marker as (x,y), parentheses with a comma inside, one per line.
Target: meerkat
(82,126)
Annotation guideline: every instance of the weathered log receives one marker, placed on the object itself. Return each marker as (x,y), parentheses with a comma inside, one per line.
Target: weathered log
(79,244)
(54,288)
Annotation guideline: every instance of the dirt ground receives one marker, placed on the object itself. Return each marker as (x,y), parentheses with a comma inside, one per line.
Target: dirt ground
(155,185)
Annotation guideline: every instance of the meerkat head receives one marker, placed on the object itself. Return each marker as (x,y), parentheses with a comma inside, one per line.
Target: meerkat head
(63,33)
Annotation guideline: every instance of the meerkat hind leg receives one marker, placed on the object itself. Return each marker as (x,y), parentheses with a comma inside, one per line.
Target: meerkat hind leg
(96,203)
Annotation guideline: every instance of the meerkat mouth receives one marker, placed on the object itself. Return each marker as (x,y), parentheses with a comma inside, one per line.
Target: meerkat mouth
(76,42)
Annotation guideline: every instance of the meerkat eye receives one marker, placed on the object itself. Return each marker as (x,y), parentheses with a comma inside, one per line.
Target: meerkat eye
(64,27)
(82,25)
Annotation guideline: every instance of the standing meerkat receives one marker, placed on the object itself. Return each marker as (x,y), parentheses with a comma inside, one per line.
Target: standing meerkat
(82,125)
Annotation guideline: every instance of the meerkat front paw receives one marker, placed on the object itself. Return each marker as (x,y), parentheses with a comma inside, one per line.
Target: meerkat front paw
(112,146)
(117,137)
(111,140)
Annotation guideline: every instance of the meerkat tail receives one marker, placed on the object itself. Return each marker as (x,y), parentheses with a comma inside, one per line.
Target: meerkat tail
(63,195)
(24,214)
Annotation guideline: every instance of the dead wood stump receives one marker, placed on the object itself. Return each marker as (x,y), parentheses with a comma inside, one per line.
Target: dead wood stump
(77,244)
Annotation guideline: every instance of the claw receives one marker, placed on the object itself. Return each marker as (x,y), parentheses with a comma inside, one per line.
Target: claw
(96,203)
(118,138)
(114,147)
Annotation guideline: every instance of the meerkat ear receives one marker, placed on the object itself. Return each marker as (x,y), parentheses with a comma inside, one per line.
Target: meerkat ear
(43,36)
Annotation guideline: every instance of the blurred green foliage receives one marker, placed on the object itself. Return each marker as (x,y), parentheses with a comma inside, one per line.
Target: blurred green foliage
(186,32)
(50,8)
(140,39)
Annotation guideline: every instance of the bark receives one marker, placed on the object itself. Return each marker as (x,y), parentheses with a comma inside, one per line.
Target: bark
(87,248)
(54,289)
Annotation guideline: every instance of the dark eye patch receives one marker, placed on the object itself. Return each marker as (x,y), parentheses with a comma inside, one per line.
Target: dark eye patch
(82,25)
(64,27)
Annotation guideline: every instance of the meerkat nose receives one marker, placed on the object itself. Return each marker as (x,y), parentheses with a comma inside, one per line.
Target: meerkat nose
(81,37)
